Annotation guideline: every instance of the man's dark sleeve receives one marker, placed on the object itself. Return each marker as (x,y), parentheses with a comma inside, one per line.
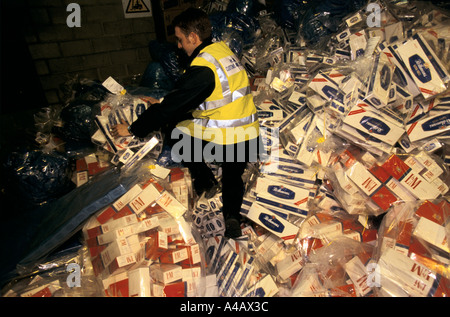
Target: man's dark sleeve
(191,90)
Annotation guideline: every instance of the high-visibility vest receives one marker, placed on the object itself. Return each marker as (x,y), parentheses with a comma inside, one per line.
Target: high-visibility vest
(229,114)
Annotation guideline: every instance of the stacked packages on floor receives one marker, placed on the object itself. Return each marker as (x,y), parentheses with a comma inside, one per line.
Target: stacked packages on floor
(349,199)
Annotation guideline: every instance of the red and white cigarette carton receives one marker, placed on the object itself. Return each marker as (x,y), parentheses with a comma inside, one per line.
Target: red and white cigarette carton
(136,228)
(176,289)
(46,290)
(290,265)
(192,279)
(194,255)
(408,277)
(432,233)
(156,245)
(173,256)
(97,230)
(170,204)
(108,212)
(139,282)
(358,274)
(408,178)
(166,273)
(371,186)
(118,264)
(116,285)
(433,217)
(119,247)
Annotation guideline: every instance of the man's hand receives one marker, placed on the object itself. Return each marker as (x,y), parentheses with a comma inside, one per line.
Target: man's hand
(120,130)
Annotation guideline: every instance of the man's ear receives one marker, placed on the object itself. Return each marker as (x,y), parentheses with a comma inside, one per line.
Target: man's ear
(195,39)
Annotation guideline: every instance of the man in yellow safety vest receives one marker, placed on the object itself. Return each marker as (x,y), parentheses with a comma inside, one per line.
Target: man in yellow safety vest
(213,115)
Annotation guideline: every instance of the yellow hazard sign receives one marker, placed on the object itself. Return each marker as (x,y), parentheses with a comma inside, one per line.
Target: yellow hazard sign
(137,8)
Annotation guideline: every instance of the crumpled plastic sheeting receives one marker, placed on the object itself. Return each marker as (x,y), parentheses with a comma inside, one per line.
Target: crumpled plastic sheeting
(324,19)
(155,77)
(40,231)
(38,177)
(171,59)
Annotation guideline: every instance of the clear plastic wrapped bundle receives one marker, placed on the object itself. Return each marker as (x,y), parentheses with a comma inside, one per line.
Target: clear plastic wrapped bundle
(144,243)
(368,185)
(413,250)
(67,273)
(340,269)
(323,227)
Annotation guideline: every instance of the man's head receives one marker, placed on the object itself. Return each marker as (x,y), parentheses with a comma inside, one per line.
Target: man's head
(192,27)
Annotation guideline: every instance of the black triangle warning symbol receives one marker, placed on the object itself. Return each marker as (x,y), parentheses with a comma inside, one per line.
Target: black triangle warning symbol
(135,6)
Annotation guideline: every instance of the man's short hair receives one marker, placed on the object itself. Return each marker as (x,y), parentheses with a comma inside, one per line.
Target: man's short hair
(193,20)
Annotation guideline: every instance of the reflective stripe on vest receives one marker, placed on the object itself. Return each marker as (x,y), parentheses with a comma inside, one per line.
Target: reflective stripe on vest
(228,97)
(230,106)
(210,123)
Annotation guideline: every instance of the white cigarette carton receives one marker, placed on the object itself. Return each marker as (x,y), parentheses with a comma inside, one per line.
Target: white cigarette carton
(226,269)
(368,141)
(291,264)
(166,273)
(432,233)
(266,287)
(327,88)
(403,77)
(428,126)
(394,32)
(143,151)
(358,274)
(380,81)
(425,68)
(273,223)
(354,19)
(414,278)
(283,197)
(358,43)
(139,282)
(374,124)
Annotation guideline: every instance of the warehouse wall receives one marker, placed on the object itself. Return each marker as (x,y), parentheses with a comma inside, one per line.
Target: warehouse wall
(106,44)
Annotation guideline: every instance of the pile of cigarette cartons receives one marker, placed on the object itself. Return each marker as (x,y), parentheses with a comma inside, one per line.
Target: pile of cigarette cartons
(349,198)
(353,133)
(142,244)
